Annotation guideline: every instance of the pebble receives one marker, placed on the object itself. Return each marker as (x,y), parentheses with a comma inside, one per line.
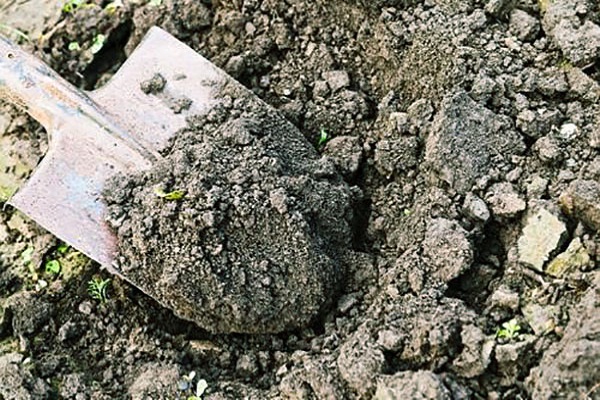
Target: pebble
(542,235)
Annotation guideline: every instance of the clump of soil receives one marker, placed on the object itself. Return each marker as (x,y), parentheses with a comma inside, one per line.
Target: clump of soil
(254,243)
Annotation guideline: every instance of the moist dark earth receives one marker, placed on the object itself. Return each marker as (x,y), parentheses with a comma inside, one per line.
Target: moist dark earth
(440,243)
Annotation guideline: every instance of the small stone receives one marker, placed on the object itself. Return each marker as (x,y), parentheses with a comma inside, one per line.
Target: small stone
(235,66)
(85,308)
(476,354)
(552,81)
(423,385)
(537,187)
(582,86)
(574,258)
(447,249)
(523,25)
(346,153)
(504,201)
(542,319)
(527,123)
(390,340)
(548,150)
(337,80)
(542,236)
(504,298)
(346,302)
(320,89)
(476,208)
(396,155)
(582,201)
(67,331)
(498,7)
(154,85)
(247,365)
(568,132)
(154,381)
(359,361)
(514,358)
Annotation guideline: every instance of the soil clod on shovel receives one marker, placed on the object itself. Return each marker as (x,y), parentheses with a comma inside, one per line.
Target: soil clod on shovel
(251,241)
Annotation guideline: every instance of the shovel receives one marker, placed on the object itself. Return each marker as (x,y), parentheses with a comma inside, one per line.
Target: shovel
(92,136)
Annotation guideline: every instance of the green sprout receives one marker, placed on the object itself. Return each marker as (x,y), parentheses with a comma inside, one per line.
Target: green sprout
(52,267)
(201,386)
(70,6)
(97,289)
(74,46)
(62,248)
(154,3)
(323,137)
(173,195)
(112,7)
(98,43)
(510,330)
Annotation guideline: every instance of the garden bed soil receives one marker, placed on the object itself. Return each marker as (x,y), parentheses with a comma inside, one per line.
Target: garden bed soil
(441,243)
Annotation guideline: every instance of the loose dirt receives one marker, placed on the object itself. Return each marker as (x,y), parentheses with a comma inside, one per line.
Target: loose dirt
(441,244)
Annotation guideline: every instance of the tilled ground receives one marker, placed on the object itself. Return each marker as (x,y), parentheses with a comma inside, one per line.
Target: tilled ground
(469,129)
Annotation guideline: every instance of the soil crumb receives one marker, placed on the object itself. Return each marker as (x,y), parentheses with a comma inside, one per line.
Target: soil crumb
(250,242)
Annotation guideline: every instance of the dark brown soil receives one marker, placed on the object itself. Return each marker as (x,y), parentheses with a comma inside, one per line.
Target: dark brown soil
(421,252)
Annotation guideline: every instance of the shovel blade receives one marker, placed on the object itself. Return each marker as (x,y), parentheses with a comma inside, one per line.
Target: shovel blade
(64,195)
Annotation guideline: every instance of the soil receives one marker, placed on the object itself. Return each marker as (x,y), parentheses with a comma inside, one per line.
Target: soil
(441,244)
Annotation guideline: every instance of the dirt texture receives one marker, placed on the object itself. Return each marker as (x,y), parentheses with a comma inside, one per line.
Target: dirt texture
(254,244)
(441,243)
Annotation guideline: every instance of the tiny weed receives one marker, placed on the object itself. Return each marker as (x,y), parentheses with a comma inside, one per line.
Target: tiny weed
(97,288)
(98,43)
(154,3)
(71,6)
(323,137)
(74,46)
(186,385)
(112,7)
(173,195)
(52,267)
(62,248)
(509,330)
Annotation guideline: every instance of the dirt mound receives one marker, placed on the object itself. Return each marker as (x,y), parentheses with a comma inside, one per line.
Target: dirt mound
(252,242)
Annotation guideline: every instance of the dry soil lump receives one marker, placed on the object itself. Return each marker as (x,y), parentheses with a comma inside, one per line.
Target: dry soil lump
(253,245)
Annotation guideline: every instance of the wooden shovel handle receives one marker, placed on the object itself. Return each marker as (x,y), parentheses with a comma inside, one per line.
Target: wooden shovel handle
(30,84)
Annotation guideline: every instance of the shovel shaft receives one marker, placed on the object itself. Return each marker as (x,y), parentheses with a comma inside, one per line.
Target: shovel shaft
(51,100)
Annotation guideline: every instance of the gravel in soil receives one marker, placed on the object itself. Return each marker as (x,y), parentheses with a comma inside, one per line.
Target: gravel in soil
(442,244)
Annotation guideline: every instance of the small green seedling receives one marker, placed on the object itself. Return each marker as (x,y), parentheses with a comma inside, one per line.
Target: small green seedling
(323,137)
(97,288)
(52,267)
(74,46)
(62,248)
(173,195)
(98,43)
(154,3)
(70,6)
(201,386)
(112,7)
(510,330)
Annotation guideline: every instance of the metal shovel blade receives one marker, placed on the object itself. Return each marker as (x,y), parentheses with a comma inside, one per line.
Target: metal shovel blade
(118,128)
